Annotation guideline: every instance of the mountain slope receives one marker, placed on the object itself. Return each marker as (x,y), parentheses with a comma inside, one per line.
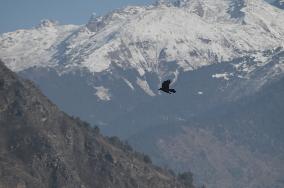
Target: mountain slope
(43,147)
(233,142)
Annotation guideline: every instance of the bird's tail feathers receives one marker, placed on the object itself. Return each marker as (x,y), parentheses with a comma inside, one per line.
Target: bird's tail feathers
(172,90)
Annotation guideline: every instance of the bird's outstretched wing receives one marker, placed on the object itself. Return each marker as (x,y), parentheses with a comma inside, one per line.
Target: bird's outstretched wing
(166,84)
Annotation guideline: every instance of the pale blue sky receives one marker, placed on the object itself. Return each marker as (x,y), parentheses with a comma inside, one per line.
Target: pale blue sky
(19,14)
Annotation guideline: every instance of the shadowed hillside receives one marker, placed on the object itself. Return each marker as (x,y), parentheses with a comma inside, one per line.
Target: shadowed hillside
(40,146)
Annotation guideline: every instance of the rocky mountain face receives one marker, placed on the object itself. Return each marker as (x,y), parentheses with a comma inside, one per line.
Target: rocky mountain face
(221,55)
(41,146)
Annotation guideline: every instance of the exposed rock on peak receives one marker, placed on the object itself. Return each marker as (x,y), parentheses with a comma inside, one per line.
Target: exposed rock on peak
(47,23)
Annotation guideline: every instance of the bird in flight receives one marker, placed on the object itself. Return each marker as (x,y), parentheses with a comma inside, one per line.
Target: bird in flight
(166,87)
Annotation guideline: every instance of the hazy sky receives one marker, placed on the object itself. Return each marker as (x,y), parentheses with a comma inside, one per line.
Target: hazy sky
(18,14)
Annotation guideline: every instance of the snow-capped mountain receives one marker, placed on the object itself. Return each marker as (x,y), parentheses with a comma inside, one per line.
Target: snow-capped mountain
(193,33)
(34,47)
(216,52)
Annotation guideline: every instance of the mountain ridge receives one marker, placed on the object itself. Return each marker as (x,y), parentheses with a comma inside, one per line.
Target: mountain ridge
(158,28)
(43,147)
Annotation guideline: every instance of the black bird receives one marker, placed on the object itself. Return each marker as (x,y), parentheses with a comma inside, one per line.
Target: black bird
(166,87)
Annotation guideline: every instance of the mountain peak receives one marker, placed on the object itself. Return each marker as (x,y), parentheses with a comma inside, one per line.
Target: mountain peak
(47,23)
(163,2)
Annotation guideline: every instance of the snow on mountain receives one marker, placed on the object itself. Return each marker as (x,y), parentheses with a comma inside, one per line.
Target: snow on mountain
(178,34)
(224,76)
(103,93)
(23,49)
(192,33)
(144,85)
